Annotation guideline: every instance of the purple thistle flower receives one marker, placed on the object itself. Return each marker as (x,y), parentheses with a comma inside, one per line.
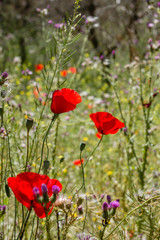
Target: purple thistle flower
(59,25)
(150,25)
(44,188)
(158,4)
(50,21)
(115,204)
(4,75)
(109,198)
(35,191)
(55,189)
(105,206)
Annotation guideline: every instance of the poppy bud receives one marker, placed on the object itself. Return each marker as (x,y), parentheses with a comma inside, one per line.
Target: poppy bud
(7,190)
(61,159)
(46,165)
(29,124)
(82,146)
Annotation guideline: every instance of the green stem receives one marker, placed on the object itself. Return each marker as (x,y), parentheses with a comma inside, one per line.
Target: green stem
(44,139)
(58,230)
(93,151)
(27,150)
(128,214)
(47,226)
(20,236)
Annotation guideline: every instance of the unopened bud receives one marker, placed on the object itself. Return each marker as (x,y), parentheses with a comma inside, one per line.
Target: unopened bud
(46,165)
(7,190)
(82,146)
(29,124)
(61,159)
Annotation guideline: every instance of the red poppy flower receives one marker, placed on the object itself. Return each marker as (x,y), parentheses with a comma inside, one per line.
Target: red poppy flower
(78,162)
(64,100)
(98,135)
(146,105)
(39,67)
(63,73)
(22,186)
(72,70)
(106,123)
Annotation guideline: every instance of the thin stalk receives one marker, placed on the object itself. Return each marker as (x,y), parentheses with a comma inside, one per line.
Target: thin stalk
(57,220)
(127,135)
(44,139)
(27,156)
(128,214)
(20,236)
(95,148)
(47,225)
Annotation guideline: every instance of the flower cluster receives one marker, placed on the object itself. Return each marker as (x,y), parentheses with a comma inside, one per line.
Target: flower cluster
(35,191)
(109,209)
(70,70)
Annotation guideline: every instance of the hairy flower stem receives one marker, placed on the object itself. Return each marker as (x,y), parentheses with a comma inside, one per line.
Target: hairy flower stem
(129,140)
(57,220)
(45,138)
(95,148)
(146,113)
(47,226)
(21,233)
(128,214)
(27,150)
(102,233)
(55,141)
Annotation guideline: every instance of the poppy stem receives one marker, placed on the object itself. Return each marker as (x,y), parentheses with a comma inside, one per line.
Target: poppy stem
(95,148)
(47,225)
(45,137)
(27,150)
(58,231)
(21,233)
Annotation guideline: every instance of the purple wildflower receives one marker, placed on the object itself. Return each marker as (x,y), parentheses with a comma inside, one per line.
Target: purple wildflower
(4,75)
(105,206)
(44,188)
(35,191)
(115,204)
(59,25)
(50,21)
(55,189)
(108,198)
